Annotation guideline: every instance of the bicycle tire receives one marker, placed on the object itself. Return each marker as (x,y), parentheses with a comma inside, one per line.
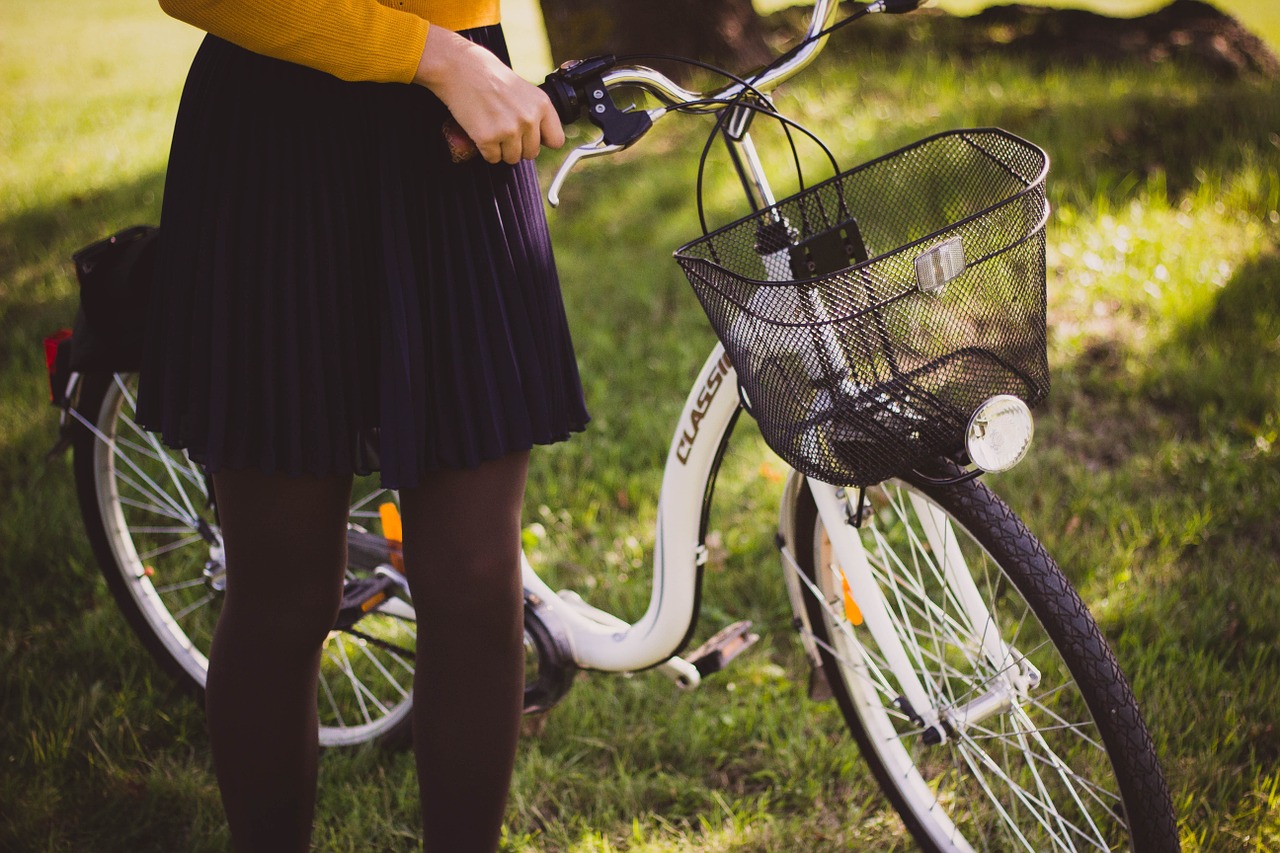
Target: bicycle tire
(154,534)
(1031,776)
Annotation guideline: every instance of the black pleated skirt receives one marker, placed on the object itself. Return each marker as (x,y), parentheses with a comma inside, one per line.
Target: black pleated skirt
(334,295)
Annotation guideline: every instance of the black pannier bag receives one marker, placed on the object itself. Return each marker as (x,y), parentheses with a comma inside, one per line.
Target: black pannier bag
(115,284)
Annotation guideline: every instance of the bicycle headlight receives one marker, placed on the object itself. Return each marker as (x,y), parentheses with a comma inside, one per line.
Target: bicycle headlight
(999,433)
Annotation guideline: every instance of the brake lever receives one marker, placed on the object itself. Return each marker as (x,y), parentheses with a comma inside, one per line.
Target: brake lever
(637,123)
(597,148)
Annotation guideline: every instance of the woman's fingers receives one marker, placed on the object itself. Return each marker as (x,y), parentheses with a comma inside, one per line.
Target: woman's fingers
(551,131)
(530,142)
(508,118)
(519,130)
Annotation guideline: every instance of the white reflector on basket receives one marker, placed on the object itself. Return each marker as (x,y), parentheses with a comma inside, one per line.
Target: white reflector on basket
(939,265)
(999,433)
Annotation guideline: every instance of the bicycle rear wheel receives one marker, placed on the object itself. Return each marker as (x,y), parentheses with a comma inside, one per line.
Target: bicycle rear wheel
(1041,747)
(155,535)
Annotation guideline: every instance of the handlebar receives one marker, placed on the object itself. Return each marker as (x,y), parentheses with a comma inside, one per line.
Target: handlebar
(774,75)
(583,87)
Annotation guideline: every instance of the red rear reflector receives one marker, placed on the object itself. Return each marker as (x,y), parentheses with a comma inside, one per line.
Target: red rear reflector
(51,347)
(51,355)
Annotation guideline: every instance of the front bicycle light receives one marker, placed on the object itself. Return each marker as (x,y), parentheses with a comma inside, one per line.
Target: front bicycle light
(999,433)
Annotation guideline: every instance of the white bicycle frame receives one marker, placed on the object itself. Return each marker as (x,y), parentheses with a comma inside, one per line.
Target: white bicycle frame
(601,641)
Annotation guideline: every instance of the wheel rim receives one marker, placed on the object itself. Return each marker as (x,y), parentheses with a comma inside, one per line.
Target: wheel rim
(1033,775)
(163,536)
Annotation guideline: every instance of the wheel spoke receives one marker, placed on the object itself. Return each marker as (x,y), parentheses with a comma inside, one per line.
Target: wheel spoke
(364,649)
(1070,779)
(1020,759)
(172,546)
(166,458)
(977,761)
(192,607)
(1078,729)
(175,587)
(148,501)
(333,703)
(155,509)
(358,507)
(160,504)
(118,452)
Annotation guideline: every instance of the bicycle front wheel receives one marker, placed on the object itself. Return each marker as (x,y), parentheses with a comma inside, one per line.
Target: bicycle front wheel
(155,535)
(1037,745)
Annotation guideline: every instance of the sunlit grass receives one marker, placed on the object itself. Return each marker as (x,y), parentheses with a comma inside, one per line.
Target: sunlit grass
(1154,477)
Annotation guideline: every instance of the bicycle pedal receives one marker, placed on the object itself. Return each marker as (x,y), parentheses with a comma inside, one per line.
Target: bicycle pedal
(360,596)
(716,653)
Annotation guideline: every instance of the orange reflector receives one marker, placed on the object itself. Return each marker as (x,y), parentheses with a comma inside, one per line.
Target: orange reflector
(394,533)
(391,527)
(373,602)
(851,610)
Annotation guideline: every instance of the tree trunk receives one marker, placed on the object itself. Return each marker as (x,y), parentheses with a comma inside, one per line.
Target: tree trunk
(727,33)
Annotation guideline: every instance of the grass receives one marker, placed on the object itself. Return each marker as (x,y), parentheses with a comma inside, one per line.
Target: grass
(1261,18)
(1154,479)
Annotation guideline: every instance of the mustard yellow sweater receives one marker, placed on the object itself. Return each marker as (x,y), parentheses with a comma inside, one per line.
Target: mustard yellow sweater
(379,40)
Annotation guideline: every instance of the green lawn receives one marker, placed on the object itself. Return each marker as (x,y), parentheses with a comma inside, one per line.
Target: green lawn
(1261,17)
(1154,480)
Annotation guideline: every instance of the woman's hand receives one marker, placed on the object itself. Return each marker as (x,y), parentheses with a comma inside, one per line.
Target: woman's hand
(509,118)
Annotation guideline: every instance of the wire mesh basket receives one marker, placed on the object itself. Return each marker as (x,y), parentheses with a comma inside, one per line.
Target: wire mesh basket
(870,315)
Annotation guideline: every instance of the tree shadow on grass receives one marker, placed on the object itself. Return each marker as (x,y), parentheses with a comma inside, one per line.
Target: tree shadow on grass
(1106,121)
(67,222)
(45,565)
(37,279)
(1181,544)
(1225,366)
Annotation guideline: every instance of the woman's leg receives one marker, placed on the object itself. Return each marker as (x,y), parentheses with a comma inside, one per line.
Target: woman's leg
(462,556)
(286,551)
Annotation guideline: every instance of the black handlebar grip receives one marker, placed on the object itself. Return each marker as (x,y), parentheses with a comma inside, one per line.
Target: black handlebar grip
(564,97)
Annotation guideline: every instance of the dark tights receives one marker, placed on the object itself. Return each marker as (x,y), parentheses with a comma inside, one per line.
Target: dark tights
(285,541)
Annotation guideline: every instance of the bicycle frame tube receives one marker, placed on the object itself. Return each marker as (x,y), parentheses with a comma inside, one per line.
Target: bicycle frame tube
(851,555)
(602,642)
(833,509)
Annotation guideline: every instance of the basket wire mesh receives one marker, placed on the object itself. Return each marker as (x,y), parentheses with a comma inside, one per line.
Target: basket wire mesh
(870,315)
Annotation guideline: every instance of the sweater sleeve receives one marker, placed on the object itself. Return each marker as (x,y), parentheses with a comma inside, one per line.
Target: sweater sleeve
(350,39)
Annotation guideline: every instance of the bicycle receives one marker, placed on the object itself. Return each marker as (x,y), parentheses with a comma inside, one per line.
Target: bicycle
(981,692)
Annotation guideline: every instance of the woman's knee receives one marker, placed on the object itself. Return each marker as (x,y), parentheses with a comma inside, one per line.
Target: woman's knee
(462,528)
(285,551)
(293,620)
(481,574)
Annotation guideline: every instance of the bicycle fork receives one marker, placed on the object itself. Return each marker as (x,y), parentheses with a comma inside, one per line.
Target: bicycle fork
(866,607)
